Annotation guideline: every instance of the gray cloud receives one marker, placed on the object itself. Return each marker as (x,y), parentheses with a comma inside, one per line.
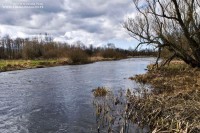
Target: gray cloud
(95,19)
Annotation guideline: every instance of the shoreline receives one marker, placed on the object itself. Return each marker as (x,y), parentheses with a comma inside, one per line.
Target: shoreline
(174,102)
(13,65)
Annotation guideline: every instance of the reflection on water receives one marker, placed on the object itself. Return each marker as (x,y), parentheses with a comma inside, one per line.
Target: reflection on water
(59,99)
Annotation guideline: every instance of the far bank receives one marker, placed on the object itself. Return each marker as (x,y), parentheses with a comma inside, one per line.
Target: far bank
(11,65)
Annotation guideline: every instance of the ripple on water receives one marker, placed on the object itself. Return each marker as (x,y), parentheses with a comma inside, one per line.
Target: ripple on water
(59,99)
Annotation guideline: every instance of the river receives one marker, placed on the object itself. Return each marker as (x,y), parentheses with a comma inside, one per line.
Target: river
(59,99)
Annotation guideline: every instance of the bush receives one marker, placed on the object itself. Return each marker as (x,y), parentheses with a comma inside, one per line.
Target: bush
(50,51)
(111,53)
(78,56)
(32,50)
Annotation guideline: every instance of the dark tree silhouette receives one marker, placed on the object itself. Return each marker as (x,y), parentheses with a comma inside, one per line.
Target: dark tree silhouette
(170,24)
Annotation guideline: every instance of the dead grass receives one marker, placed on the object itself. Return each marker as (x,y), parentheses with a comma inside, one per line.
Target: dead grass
(100,58)
(10,65)
(100,92)
(172,78)
(174,104)
(178,113)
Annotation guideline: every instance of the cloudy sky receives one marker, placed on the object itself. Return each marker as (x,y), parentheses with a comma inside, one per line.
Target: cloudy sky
(95,22)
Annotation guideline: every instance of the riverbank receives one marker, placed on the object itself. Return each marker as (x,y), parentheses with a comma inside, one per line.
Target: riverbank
(11,65)
(174,103)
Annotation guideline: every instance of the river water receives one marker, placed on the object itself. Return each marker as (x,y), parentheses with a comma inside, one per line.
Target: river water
(59,99)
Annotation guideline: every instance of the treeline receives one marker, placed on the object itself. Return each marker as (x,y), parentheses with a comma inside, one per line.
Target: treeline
(36,49)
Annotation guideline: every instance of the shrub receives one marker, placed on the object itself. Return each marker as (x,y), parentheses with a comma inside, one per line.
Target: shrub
(100,92)
(78,56)
(111,53)
(32,50)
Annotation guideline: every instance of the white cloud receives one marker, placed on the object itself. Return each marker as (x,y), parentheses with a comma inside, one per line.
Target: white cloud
(14,32)
(91,21)
(79,35)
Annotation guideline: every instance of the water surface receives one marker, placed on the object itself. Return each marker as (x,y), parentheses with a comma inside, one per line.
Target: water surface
(59,99)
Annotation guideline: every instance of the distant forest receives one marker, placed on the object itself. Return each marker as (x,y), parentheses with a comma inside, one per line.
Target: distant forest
(43,47)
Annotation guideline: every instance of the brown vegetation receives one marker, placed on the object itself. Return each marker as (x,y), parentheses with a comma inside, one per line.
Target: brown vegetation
(112,53)
(41,51)
(78,53)
(78,56)
(100,92)
(10,65)
(173,105)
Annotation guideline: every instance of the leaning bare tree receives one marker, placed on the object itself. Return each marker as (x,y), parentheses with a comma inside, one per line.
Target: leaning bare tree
(170,24)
